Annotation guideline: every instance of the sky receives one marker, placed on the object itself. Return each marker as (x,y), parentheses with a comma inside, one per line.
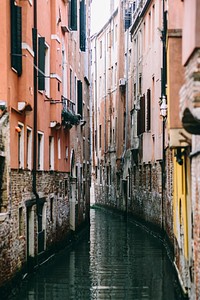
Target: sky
(99,14)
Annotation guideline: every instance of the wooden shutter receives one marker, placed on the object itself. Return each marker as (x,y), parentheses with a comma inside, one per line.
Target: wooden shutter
(148,110)
(141,116)
(16,37)
(73,14)
(80,98)
(41,63)
(82,26)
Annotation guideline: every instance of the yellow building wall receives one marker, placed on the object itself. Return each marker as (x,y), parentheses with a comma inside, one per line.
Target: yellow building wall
(181,203)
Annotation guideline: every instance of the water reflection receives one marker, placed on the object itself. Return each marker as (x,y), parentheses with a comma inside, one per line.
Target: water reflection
(117,261)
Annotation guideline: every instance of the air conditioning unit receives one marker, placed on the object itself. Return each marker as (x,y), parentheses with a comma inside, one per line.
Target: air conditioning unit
(122,82)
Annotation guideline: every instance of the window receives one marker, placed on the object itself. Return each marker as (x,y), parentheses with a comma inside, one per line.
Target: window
(148,110)
(107,173)
(96,172)
(59,149)
(29,149)
(70,84)
(47,70)
(64,73)
(80,98)
(66,153)
(144,37)
(99,136)
(21,222)
(66,187)
(141,116)
(153,22)
(82,24)
(129,60)
(16,37)
(140,86)
(43,66)
(40,151)
(75,93)
(149,28)
(116,33)
(108,41)
(129,183)
(51,209)
(21,146)
(83,147)
(101,175)
(41,63)
(51,153)
(95,140)
(115,79)
(124,131)
(73,14)
(100,49)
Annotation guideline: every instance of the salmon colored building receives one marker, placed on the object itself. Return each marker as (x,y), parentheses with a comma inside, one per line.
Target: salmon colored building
(40,112)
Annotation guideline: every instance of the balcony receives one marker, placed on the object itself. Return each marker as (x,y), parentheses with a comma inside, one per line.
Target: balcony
(138,11)
(190,96)
(69,118)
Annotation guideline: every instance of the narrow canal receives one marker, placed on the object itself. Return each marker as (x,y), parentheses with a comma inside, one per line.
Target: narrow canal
(117,260)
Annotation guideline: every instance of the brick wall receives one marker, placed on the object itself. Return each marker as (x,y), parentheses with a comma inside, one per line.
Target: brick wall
(54,188)
(196,217)
(145,198)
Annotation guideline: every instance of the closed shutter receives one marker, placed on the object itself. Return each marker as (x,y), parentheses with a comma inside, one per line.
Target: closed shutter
(41,63)
(148,110)
(141,116)
(16,37)
(80,98)
(73,15)
(82,26)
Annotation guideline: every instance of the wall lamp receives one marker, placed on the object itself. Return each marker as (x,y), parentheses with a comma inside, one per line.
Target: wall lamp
(163,107)
(179,155)
(18,129)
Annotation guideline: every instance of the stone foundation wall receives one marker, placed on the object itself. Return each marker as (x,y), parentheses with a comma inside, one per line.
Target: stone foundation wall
(168,195)
(196,218)
(54,188)
(143,192)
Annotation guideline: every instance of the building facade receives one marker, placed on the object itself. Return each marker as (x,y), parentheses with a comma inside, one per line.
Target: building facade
(44,129)
(145,92)
(190,116)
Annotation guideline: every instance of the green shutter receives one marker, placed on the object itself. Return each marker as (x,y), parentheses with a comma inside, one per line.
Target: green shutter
(73,15)
(80,98)
(141,117)
(148,110)
(41,63)
(82,25)
(16,37)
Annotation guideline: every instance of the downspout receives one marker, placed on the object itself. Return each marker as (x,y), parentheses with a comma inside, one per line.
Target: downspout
(35,84)
(163,103)
(105,110)
(35,73)
(127,91)
(96,123)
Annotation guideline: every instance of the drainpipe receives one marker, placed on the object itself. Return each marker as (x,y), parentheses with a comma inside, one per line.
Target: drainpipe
(105,110)
(127,91)
(163,107)
(35,80)
(35,75)
(34,36)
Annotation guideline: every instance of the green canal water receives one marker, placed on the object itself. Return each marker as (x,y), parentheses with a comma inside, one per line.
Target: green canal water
(117,260)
